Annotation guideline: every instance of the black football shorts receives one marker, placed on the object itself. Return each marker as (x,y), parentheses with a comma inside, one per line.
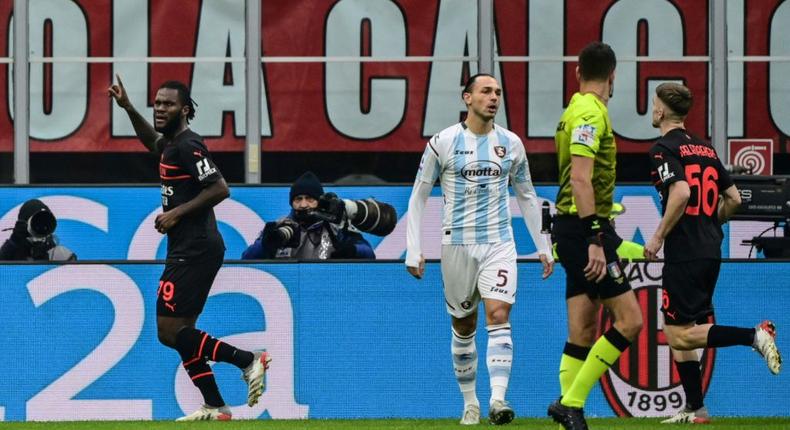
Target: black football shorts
(688,291)
(183,288)
(572,249)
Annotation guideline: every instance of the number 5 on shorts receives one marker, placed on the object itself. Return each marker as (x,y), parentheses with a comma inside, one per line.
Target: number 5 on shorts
(502,274)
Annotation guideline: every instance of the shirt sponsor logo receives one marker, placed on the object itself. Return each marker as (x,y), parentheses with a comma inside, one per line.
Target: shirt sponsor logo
(584,134)
(166,190)
(481,171)
(480,189)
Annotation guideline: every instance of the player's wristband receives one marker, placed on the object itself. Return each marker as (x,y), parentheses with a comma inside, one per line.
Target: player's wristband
(592,229)
(592,225)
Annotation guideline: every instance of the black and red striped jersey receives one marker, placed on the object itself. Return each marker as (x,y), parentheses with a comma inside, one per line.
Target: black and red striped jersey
(679,156)
(185,168)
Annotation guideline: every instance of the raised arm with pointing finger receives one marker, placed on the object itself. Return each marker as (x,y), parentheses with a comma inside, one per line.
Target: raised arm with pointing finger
(145,131)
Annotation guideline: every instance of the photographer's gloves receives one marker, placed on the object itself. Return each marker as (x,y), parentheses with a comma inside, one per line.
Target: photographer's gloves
(285,233)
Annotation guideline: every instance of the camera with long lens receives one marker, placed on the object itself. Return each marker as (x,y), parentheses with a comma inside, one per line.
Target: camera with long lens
(41,224)
(368,215)
(32,237)
(285,232)
(282,234)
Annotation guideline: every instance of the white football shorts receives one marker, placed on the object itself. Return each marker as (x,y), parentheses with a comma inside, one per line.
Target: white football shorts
(470,272)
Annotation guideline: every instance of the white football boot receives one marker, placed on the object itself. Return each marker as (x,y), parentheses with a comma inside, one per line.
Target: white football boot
(471,415)
(500,413)
(688,416)
(208,413)
(255,376)
(765,344)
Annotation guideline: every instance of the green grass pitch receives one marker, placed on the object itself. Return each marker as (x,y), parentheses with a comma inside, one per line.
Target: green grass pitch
(395,424)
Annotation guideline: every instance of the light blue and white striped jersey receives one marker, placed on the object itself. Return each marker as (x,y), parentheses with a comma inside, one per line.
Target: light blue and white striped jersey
(473,171)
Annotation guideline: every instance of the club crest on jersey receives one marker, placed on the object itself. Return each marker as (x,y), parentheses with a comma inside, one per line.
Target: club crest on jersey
(644,381)
(584,134)
(500,151)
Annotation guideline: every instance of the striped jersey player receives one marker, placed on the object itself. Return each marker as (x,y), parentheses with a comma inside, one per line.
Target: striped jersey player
(474,160)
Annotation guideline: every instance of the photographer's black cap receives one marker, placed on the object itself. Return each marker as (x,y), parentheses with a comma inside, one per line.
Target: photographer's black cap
(307,184)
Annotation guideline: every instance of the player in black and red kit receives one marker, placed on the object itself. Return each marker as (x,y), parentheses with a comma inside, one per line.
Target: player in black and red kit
(191,186)
(697,196)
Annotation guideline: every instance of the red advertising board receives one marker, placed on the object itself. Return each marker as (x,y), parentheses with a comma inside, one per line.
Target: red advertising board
(379,106)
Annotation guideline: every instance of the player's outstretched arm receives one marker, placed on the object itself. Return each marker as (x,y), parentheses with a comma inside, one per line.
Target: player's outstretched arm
(145,131)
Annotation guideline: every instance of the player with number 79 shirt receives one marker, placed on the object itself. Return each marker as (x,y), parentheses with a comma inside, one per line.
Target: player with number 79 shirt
(191,186)
(697,196)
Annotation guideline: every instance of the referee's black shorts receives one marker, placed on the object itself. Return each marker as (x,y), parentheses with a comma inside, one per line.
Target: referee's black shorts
(572,248)
(184,287)
(688,290)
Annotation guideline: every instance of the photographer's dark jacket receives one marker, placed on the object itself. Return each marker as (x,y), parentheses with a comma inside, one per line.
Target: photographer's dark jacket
(321,240)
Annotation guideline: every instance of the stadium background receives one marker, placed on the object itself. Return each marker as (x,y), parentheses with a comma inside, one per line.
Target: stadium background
(350,339)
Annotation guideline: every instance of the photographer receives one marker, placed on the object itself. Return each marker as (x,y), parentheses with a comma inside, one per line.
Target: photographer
(322,226)
(32,237)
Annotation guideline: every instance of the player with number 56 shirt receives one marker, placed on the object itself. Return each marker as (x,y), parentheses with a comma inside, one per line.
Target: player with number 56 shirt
(697,196)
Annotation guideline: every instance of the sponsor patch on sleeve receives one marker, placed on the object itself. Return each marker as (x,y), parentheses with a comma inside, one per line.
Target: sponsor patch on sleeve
(665,173)
(584,134)
(205,169)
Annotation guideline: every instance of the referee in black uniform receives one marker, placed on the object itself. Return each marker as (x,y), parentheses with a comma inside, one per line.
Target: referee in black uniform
(697,196)
(191,186)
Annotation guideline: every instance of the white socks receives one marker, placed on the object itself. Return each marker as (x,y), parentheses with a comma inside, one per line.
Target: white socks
(499,358)
(464,354)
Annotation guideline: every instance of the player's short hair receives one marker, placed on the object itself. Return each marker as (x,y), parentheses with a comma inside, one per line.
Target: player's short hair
(470,83)
(677,97)
(596,62)
(184,96)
